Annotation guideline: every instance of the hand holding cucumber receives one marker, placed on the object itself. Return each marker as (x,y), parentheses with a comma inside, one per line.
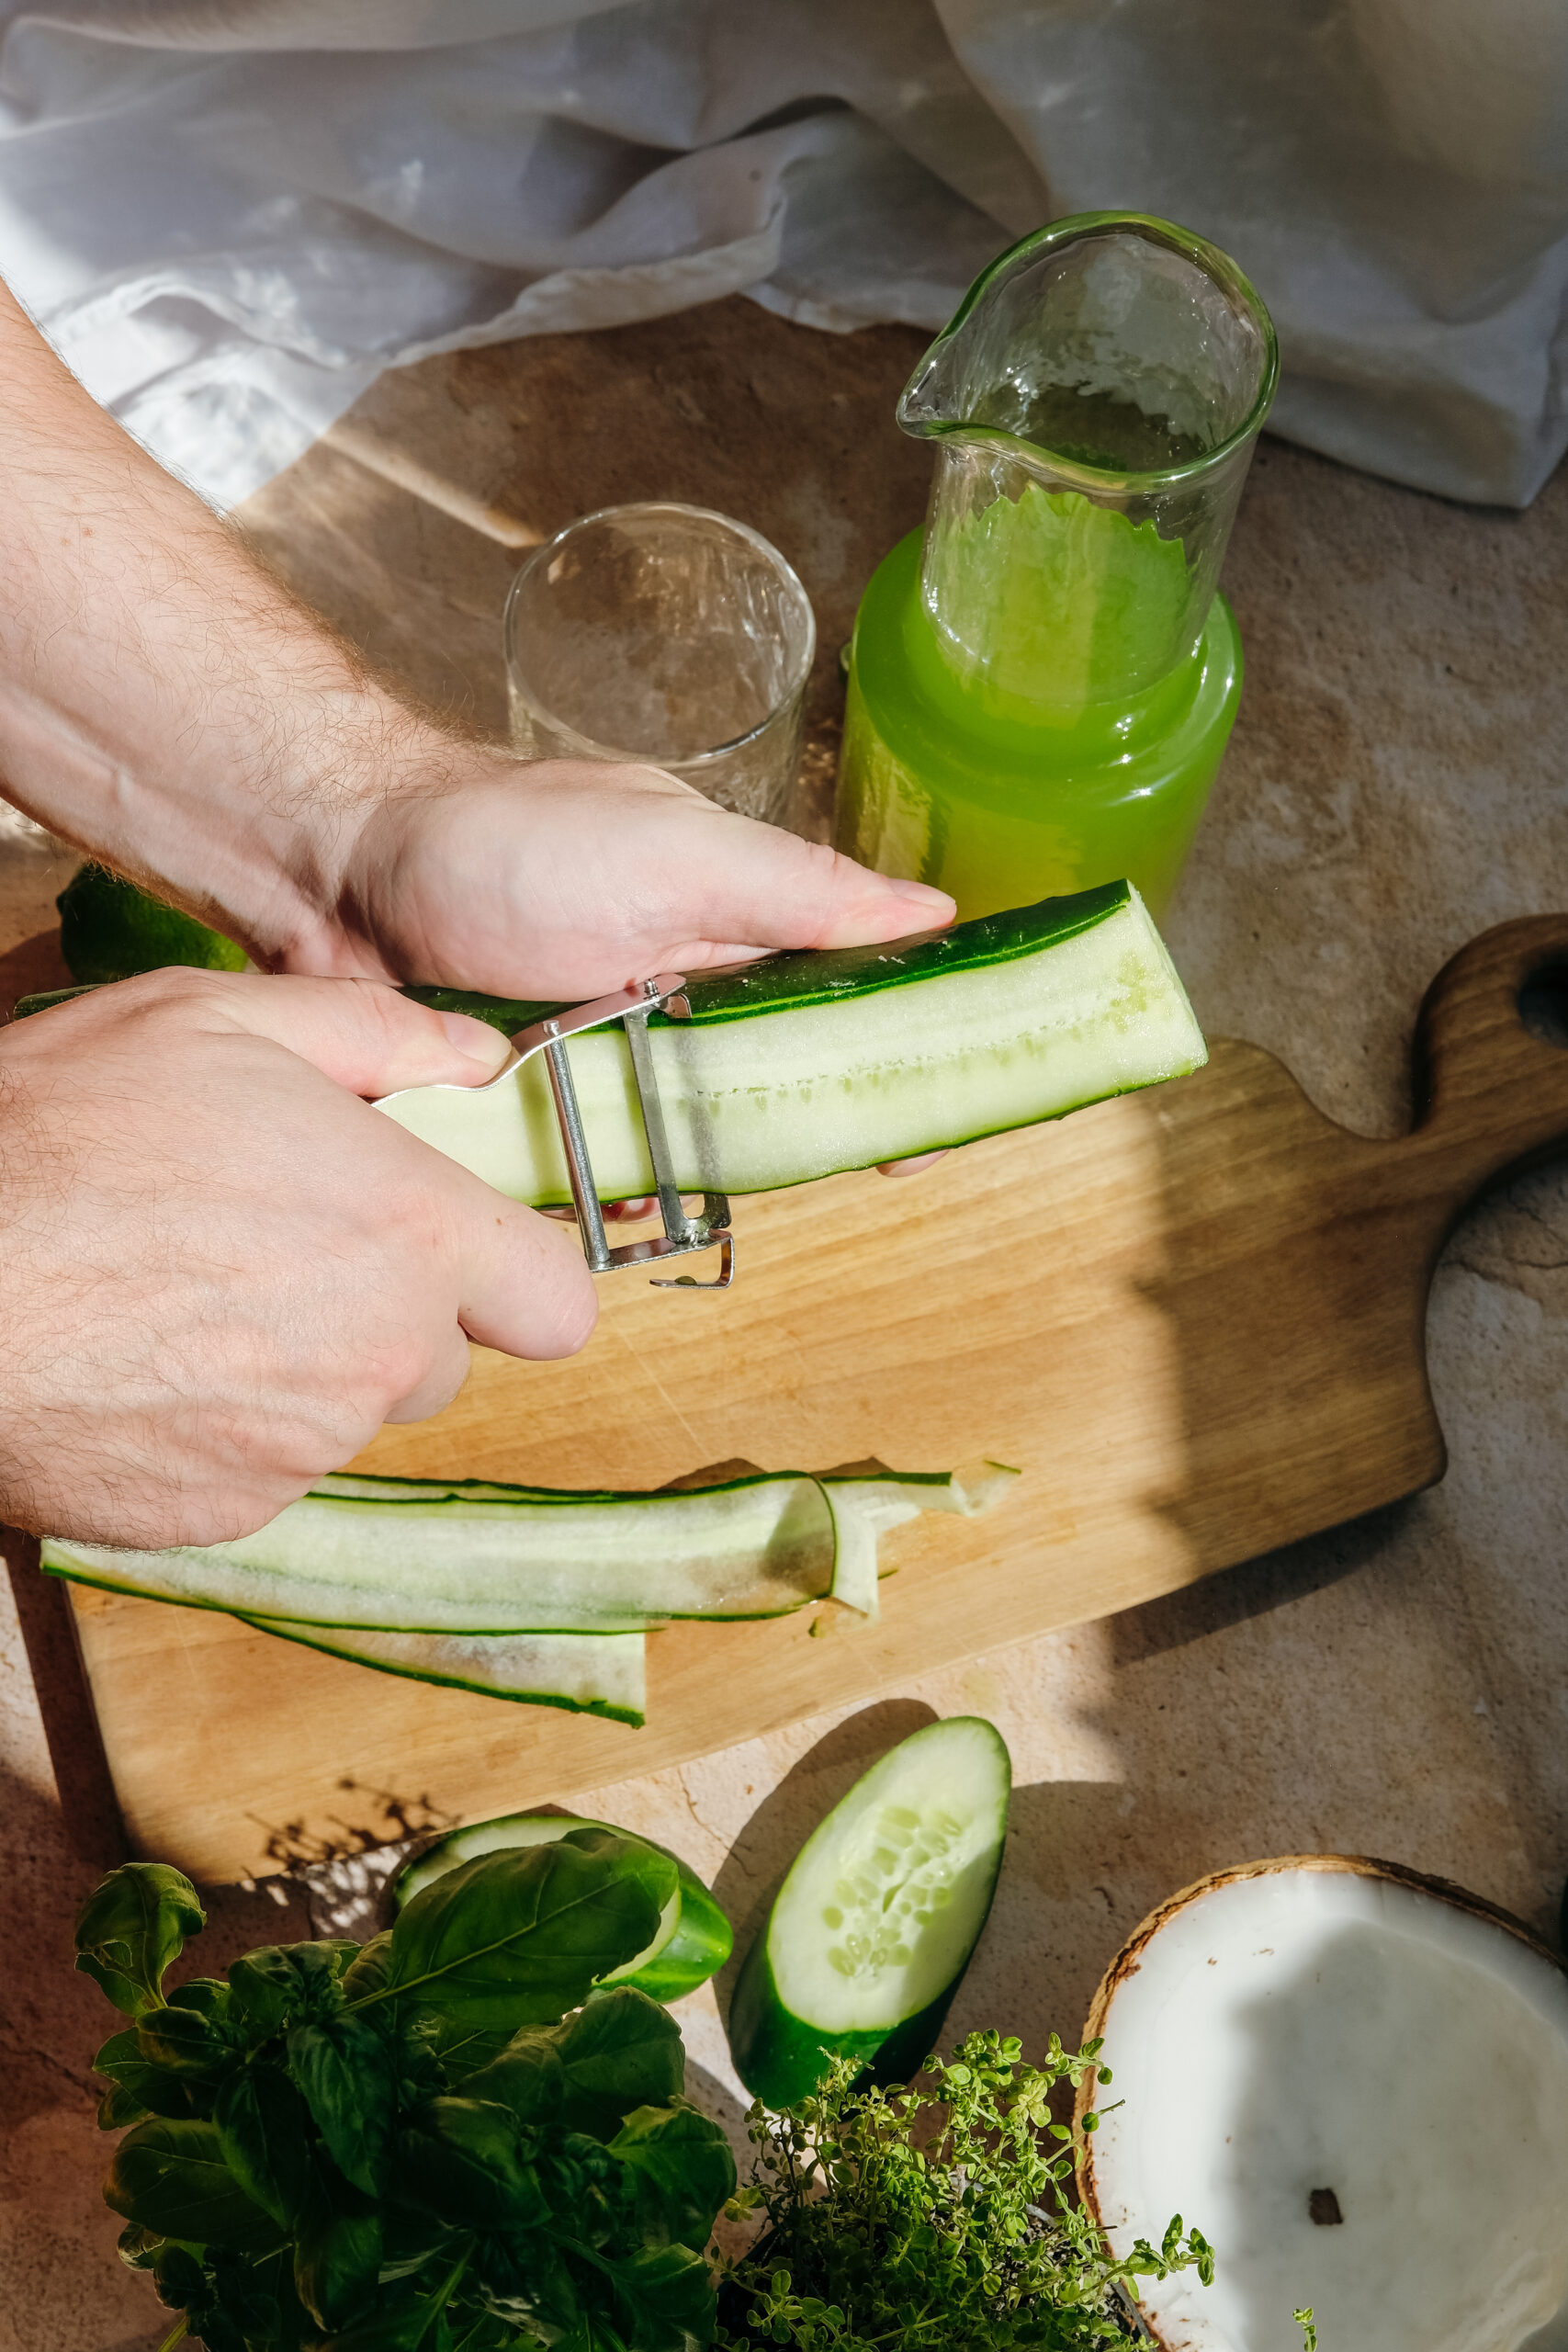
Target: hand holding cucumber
(566,878)
(221,1270)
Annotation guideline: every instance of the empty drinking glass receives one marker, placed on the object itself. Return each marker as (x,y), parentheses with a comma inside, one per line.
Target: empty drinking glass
(669,633)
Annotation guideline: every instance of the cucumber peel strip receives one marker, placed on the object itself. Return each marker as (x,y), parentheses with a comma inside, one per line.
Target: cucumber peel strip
(588,1674)
(412,1557)
(865,1509)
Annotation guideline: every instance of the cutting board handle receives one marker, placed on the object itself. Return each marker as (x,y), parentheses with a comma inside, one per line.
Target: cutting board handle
(1490,1098)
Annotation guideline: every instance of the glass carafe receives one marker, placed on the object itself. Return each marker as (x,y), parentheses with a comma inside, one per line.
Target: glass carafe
(1044,681)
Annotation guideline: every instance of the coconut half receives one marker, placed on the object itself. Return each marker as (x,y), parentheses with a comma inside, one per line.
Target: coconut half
(1354,2081)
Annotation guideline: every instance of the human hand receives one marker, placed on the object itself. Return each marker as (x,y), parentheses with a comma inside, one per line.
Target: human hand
(221,1272)
(566,878)
(168,706)
(562,879)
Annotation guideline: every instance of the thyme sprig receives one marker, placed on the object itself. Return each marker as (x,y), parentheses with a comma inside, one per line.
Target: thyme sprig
(942,2216)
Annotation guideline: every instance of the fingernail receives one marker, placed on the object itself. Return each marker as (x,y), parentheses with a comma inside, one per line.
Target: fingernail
(921,894)
(475,1040)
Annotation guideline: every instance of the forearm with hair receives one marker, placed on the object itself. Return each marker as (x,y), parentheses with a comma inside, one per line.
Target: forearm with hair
(164,703)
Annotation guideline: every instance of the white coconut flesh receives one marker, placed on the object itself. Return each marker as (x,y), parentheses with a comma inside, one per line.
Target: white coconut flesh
(1358,2090)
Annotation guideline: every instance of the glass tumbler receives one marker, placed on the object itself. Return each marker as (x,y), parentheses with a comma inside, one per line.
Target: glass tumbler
(668,634)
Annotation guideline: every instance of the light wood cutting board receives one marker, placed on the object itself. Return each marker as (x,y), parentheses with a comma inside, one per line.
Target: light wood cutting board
(1194,1318)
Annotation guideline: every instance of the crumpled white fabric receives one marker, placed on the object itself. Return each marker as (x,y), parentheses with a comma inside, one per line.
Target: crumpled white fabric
(231,215)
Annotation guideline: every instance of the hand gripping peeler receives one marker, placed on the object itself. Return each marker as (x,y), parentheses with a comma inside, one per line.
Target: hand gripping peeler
(683,1234)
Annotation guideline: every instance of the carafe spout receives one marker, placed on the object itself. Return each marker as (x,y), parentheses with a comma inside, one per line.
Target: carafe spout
(1096,400)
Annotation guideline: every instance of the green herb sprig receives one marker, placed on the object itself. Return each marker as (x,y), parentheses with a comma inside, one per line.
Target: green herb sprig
(941,2217)
(436,2143)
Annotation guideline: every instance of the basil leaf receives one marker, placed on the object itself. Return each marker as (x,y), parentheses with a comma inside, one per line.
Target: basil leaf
(622,2050)
(137,2087)
(415,2327)
(461,2050)
(264,2129)
(177,2275)
(258,2298)
(182,2042)
(683,2171)
(664,2300)
(527,2077)
(366,1972)
(337,2253)
(208,1995)
(411,2235)
(170,2176)
(118,2109)
(140,2248)
(214,2329)
(417,2070)
(277,1983)
(525,2279)
(466,2161)
(343,2069)
(132,1928)
(520,1936)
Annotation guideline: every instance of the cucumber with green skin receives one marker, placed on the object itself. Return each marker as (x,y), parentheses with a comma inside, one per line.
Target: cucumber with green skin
(427,1557)
(589,1674)
(863,1054)
(872,1930)
(109,929)
(695,1937)
(805,1063)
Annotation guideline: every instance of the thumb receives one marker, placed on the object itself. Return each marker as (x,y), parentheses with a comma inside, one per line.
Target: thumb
(361,1034)
(524,1286)
(758,886)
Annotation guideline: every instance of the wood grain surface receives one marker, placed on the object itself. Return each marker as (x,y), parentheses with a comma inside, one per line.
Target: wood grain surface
(1193,1317)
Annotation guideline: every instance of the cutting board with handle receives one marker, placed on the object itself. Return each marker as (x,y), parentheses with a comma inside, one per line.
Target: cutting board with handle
(1193,1317)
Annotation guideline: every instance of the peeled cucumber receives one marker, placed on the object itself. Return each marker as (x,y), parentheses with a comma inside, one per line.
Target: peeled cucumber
(873,1928)
(806,1063)
(693,1939)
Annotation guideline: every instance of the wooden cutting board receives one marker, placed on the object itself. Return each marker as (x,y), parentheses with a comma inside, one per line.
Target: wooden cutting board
(1194,1318)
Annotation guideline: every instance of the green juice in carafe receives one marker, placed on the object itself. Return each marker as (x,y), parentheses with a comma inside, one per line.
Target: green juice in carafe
(1042,682)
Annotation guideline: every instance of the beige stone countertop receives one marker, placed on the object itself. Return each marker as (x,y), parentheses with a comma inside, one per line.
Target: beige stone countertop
(1398,782)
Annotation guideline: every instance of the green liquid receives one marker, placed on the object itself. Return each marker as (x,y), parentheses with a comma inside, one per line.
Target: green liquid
(1093,428)
(1051,605)
(1079,749)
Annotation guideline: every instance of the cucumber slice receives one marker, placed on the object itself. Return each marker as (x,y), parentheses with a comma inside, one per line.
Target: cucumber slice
(803,1064)
(431,1558)
(873,1928)
(590,1674)
(695,1937)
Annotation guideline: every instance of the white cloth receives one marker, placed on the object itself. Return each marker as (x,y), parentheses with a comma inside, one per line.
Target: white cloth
(231,215)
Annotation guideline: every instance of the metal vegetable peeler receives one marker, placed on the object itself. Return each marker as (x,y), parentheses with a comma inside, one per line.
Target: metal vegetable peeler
(682,1234)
